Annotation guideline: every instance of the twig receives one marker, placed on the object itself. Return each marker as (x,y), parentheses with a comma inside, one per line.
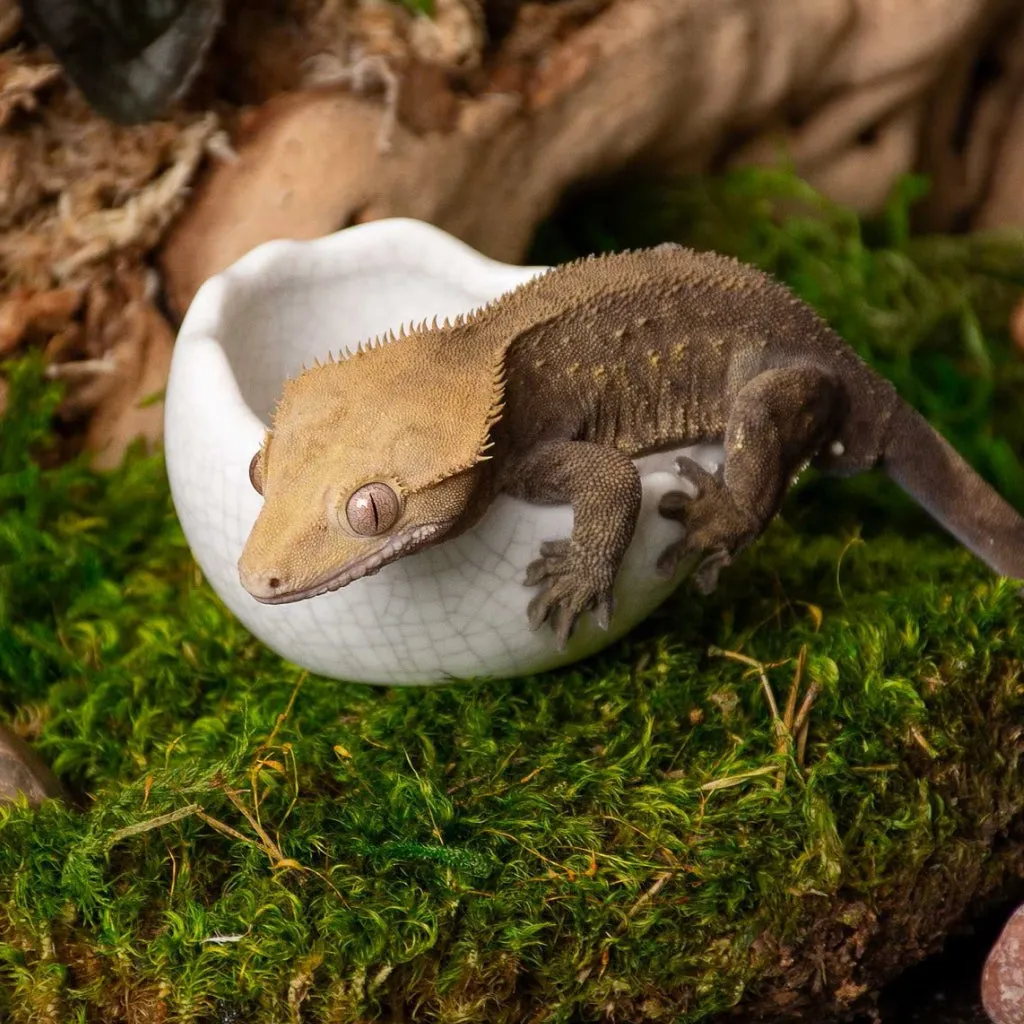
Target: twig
(645,897)
(781,733)
(271,848)
(734,780)
(854,540)
(157,822)
(922,742)
(794,724)
(794,689)
(805,708)
(79,368)
(283,716)
(221,826)
(783,737)
(267,847)
(800,725)
(801,742)
(656,886)
(261,761)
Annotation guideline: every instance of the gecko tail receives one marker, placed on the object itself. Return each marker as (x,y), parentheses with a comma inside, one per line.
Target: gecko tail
(939,479)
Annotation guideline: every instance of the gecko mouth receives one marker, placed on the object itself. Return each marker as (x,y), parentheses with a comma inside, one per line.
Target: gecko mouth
(395,547)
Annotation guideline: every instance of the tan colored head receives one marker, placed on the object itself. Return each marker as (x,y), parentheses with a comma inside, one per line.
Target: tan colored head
(368,460)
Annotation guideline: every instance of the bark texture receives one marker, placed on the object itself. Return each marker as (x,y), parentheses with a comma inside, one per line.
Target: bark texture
(315,114)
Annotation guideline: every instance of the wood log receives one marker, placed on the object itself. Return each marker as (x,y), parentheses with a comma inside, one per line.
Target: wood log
(578,90)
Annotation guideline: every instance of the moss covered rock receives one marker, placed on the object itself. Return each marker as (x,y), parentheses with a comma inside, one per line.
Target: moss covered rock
(632,839)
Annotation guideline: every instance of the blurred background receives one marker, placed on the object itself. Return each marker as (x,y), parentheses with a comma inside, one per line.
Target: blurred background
(199,128)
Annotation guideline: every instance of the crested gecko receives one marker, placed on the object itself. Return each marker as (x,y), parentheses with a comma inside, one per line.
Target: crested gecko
(550,392)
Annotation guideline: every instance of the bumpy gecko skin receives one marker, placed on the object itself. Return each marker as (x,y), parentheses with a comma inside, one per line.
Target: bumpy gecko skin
(550,392)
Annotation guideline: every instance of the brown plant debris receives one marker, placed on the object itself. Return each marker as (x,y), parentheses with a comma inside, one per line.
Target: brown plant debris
(24,313)
(19,84)
(82,202)
(578,89)
(144,215)
(314,114)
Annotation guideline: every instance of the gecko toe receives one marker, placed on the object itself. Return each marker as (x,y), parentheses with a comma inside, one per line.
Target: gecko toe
(705,578)
(538,610)
(704,489)
(550,565)
(674,503)
(571,585)
(691,470)
(555,548)
(564,621)
(537,572)
(550,606)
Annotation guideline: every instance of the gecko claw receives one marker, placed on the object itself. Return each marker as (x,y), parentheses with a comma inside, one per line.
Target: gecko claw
(716,529)
(569,590)
(562,619)
(603,613)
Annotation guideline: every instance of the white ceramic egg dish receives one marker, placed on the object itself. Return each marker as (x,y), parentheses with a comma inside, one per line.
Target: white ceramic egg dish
(453,611)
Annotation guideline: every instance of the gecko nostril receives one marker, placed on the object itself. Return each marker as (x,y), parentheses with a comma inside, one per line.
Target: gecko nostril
(273,583)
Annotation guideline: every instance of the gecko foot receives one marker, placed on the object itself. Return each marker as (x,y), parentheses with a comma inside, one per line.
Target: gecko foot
(715,527)
(572,586)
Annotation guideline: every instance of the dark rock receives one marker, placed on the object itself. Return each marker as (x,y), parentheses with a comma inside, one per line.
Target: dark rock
(130,58)
(22,770)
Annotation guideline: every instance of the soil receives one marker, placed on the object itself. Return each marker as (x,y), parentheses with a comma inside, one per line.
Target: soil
(945,988)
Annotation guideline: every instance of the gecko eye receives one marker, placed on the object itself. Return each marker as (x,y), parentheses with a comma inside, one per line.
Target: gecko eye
(256,474)
(372,509)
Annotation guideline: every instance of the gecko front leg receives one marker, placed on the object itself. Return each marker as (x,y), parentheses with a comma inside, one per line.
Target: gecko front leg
(778,422)
(576,573)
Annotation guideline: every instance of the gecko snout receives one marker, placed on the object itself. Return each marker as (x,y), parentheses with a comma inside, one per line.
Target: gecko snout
(263,585)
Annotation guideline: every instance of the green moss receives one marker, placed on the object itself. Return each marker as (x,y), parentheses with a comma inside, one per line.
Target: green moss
(260,842)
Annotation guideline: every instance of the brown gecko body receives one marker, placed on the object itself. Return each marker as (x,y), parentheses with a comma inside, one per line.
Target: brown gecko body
(549,393)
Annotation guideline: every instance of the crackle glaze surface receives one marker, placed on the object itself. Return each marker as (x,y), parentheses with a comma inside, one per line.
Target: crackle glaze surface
(454,611)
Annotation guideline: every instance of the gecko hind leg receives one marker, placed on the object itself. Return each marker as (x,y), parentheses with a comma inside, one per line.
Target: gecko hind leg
(778,421)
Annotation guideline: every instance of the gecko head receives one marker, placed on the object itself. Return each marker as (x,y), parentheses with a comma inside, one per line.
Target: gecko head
(367,461)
